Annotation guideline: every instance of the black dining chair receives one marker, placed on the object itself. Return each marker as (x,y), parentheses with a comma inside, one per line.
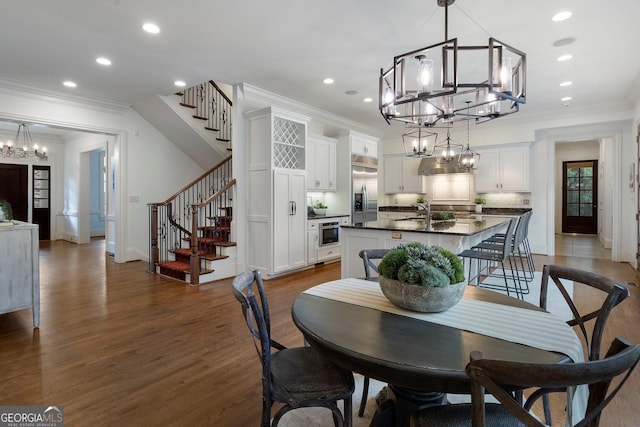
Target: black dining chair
(613,293)
(370,260)
(298,377)
(500,378)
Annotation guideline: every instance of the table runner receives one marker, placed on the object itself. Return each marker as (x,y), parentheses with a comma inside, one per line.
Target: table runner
(533,328)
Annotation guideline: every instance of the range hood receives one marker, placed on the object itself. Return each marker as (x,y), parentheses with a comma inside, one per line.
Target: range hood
(430,166)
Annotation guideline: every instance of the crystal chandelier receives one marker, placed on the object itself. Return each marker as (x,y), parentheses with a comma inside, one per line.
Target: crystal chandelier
(409,92)
(24,148)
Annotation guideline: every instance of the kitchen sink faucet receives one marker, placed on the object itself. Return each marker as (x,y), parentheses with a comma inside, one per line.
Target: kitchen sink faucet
(425,207)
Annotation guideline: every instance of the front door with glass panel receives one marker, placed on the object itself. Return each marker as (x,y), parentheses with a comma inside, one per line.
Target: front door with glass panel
(580,197)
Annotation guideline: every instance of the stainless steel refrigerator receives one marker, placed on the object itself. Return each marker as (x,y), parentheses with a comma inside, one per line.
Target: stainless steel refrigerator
(364,178)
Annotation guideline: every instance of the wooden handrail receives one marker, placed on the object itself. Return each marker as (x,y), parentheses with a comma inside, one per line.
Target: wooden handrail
(196,206)
(192,183)
(221,92)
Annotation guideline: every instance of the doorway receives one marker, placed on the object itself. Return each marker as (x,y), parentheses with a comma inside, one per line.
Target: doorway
(14,188)
(580,197)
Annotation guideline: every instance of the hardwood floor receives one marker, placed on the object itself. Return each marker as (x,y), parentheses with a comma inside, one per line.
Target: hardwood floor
(120,346)
(580,245)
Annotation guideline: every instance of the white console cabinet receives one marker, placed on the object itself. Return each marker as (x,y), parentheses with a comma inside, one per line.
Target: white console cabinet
(20,269)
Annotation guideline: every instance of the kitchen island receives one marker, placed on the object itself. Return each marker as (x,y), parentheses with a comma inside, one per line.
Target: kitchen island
(455,236)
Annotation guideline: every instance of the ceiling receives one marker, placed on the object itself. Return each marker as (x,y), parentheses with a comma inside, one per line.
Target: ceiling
(289,46)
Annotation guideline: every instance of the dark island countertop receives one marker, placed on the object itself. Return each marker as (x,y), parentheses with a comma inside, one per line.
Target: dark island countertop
(461,226)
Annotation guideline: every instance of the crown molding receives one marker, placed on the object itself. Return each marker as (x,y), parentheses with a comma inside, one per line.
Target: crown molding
(12,87)
(261,96)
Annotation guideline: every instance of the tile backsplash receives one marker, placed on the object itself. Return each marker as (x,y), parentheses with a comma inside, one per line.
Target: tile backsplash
(457,189)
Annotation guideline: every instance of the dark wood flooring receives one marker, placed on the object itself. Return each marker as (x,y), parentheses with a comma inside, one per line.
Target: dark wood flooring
(118,346)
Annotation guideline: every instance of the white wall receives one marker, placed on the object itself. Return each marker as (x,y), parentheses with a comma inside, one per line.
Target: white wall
(147,166)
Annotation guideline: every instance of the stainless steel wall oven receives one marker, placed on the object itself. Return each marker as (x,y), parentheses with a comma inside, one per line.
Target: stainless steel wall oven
(329,233)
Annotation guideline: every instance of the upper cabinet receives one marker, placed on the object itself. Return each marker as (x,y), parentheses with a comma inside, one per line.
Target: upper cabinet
(364,145)
(401,175)
(503,169)
(321,163)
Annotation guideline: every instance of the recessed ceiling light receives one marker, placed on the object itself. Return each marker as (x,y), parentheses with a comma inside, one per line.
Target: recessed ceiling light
(561,16)
(564,84)
(368,100)
(566,98)
(151,28)
(328,81)
(563,58)
(179,83)
(69,83)
(103,61)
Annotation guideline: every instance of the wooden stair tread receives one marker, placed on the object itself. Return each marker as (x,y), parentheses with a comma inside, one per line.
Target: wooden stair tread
(227,244)
(223,139)
(200,117)
(182,267)
(187,252)
(187,105)
(213,129)
(210,241)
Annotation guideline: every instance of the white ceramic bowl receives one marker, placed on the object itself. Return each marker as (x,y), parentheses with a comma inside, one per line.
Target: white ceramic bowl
(320,212)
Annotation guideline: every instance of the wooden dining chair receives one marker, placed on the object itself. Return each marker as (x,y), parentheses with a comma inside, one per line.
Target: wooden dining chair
(298,377)
(500,378)
(369,258)
(613,293)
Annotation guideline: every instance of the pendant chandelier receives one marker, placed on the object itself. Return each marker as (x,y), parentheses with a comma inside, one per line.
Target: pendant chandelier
(409,92)
(469,159)
(419,142)
(23,148)
(448,151)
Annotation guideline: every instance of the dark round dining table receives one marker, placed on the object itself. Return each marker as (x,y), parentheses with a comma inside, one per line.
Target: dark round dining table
(421,361)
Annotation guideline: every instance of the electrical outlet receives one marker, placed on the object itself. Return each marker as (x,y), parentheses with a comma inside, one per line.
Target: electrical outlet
(525,201)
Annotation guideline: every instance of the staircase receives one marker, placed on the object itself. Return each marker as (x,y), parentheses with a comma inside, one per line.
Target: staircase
(191,232)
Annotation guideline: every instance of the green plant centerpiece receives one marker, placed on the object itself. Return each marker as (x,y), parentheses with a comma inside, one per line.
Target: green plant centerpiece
(6,214)
(479,201)
(422,278)
(319,208)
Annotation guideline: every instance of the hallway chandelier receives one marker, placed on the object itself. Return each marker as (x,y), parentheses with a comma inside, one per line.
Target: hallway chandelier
(23,148)
(410,93)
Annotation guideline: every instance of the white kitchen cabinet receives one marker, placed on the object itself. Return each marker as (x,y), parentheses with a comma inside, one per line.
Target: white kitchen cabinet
(364,145)
(276,212)
(321,163)
(401,175)
(312,242)
(503,169)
